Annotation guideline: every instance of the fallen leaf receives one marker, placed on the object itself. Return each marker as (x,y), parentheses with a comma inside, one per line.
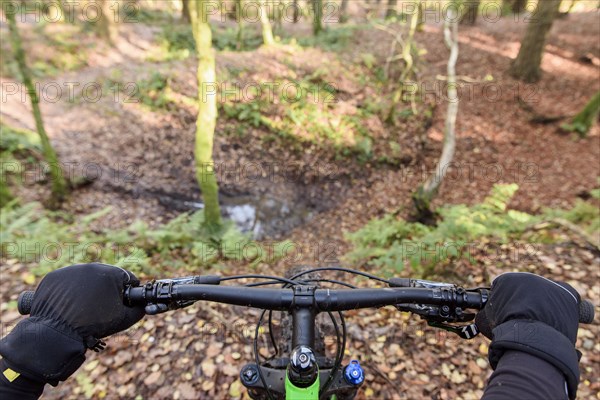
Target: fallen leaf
(208,368)
(235,390)
(187,391)
(155,378)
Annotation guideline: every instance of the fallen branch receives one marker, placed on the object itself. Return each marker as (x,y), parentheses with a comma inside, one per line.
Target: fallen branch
(464,78)
(570,227)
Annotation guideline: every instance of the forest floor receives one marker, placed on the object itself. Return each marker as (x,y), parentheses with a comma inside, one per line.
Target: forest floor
(142,162)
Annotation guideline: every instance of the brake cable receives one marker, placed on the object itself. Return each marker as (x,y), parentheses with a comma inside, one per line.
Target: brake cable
(255,276)
(275,346)
(341,349)
(333,281)
(256,356)
(340,336)
(340,269)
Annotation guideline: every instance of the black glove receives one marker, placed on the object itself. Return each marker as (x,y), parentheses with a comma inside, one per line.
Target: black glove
(73,308)
(535,315)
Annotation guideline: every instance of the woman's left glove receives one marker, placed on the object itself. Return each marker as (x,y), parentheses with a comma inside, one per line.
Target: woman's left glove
(73,308)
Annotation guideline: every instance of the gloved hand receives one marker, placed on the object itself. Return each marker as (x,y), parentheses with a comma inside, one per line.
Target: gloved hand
(73,308)
(532,314)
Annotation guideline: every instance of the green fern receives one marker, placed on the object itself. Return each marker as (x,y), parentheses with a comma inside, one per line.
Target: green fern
(391,242)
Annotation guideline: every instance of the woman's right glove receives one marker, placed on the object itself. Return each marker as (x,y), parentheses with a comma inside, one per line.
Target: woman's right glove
(532,314)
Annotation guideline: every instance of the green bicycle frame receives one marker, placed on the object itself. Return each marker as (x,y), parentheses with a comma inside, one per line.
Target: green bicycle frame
(296,393)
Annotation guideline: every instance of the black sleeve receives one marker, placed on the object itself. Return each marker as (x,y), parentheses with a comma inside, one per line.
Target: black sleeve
(14,386)
(523,376)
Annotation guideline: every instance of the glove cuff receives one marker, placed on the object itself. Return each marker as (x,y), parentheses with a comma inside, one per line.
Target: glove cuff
(17,386)
(540,340)
(44,350)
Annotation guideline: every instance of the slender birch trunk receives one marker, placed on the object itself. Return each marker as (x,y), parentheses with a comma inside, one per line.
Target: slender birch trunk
(423,196)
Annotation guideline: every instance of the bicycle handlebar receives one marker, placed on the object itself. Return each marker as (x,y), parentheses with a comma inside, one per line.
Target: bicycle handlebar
(321,299)
(403,291)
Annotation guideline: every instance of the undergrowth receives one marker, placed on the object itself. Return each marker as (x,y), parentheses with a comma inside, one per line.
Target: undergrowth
(176,42)
(391,243)
(17,147)
(333,39)
(153,91)
(62,50)
(48,240)
(303,111)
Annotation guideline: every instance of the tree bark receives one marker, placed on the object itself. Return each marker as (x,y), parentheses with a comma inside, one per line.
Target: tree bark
(240,23)
(527,65)
(424,194)
(106,25)
(60,11)
(296,11)
(59,183)
(185,11)
(391,9)
(583,121)
(318,16)
(344,11)
(267,30)
(518,6)
(207,116)
(421,22)
(407,56)
(278,16)
(470,12)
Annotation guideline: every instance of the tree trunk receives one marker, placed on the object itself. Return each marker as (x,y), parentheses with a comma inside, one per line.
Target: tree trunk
(583,121)
(60,11)
(207,116)
(391,9)
(470,12)
(296,16)
(185,11)
(421,21)
(106,24)
(527,65)
(278,16)
(344,11)
(318,16)
(267,31)
(423,196)
(239,6)
(518,6)
(59,184)
(407,56)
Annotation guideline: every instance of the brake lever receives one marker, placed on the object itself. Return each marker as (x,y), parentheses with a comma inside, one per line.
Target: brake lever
(438,317)
(437,314)
(153,309)
(464,331)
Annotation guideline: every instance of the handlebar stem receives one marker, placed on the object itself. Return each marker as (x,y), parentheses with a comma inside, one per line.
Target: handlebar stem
(303,316)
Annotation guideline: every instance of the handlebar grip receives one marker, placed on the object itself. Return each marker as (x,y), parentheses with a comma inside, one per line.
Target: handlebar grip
(25,301)
(586,312)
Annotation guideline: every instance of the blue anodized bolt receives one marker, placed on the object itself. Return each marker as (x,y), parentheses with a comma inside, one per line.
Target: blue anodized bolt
(353,373)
